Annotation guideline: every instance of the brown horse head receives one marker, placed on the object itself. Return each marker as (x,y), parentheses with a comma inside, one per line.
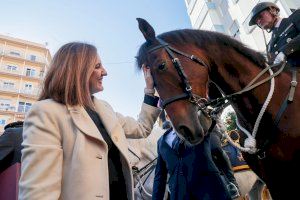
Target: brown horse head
(172,84)
(232,66)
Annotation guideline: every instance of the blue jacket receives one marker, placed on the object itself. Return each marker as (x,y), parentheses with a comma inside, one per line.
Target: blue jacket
(237,161)
(192,173)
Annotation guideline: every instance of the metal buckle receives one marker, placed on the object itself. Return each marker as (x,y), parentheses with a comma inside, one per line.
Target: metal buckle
(294,83)
(174,60)
(188,88)
(261,155)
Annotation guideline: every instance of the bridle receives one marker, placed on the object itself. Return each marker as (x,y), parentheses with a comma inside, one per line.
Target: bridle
(144,171)
(187,88)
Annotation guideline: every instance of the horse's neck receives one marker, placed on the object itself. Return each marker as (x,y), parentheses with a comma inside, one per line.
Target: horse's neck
(232,75)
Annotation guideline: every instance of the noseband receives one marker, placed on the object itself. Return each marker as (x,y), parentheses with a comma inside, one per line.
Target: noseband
(187,88)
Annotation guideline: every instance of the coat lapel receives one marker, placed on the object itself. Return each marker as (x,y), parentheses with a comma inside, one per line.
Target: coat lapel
(107,117)
(83,121)
(113,128)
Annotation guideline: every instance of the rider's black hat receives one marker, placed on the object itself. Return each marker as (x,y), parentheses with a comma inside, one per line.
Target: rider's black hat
(259,8)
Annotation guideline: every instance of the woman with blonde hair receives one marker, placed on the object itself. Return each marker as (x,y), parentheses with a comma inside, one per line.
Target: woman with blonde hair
(75,145)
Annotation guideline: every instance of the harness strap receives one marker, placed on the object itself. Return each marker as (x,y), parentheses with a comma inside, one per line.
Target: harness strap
(175,98)
(288,99)
(293,85)
(261,153)
(249,86)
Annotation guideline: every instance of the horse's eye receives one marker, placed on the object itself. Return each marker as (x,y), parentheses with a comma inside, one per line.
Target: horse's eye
(162,66)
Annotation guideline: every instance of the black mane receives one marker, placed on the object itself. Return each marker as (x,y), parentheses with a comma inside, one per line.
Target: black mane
(202,39)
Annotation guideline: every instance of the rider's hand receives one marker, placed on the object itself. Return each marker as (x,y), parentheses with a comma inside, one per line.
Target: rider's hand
(279,58)
(149,81)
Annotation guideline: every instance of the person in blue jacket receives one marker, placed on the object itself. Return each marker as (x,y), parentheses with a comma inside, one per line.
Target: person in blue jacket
(192,173)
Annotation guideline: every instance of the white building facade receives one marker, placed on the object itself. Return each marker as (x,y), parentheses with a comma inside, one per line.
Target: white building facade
(232,16)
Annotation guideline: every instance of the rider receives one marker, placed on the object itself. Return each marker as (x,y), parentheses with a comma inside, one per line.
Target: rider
(285,40)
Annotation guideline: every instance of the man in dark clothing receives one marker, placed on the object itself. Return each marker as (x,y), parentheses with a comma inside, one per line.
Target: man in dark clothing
(285,40)
(10,145)
(223,163)
(192,172)
(10,160)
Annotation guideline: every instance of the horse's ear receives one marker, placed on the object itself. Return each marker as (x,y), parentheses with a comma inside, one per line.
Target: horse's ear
(146,29)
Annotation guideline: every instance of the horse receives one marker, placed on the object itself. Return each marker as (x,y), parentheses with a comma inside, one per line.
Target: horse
(183,62)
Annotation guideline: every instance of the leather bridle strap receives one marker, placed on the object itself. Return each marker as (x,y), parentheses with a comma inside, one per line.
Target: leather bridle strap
(180,71)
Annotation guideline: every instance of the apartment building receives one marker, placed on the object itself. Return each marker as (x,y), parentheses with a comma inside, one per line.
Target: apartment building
(22,68)
(232,17)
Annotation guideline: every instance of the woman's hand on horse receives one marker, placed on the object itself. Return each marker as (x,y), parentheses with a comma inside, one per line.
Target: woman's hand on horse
(148,79)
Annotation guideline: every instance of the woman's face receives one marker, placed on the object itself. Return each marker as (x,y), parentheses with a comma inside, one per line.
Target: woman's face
(96,78)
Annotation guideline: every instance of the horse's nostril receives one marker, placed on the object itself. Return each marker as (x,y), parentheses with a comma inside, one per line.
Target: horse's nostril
(186,133)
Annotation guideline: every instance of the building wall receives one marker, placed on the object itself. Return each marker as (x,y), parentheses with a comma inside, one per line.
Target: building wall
(232,16)
(22,68)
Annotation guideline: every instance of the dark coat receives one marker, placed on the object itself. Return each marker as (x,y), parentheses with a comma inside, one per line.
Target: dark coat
(286,39)
(221,159)
(10,145)
(192,173)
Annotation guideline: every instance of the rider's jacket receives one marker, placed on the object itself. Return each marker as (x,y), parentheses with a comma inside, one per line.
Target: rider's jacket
(286,39)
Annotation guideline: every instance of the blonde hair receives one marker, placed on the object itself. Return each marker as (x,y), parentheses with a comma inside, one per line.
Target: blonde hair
(67,80)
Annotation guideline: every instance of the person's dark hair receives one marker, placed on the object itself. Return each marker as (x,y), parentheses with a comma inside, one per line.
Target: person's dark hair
(67,80)
(234,135)
(16,124)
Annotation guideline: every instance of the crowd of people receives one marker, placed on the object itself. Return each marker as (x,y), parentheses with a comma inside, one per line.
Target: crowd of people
(74,146)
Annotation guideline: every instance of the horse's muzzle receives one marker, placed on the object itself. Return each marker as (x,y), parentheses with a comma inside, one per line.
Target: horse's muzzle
(190,136)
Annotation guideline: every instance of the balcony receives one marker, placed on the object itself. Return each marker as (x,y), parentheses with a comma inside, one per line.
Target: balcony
(33,58)
(7,109)
(33,93)
(13,53)
(4,88)
(5,69)
(21,56)
(33,76)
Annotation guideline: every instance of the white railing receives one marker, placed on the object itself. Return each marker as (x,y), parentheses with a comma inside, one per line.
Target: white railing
(8,89)
(33,91)
(13,53)
(8,108)
(4,69)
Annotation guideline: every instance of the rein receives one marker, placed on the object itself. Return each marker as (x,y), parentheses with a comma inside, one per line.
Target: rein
(143,171)
(250,85)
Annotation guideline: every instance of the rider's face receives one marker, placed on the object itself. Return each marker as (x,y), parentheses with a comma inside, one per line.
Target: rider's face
(265,20)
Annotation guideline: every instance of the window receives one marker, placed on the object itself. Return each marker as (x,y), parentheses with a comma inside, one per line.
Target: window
(32,57)
(219,28)
(8,85)
(11,68)
(30,72)
(24,107)
(234,29)
(21,106)
(14,53)
(5,104)
(2,122)
(28,86)
(27,106)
